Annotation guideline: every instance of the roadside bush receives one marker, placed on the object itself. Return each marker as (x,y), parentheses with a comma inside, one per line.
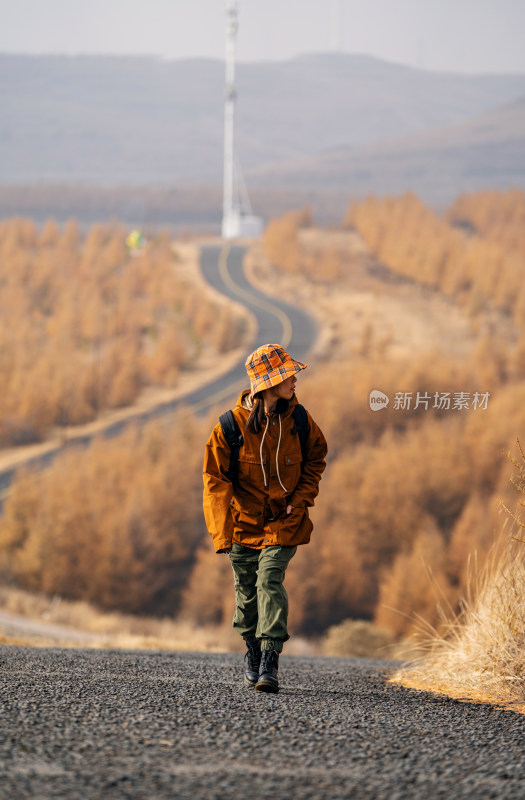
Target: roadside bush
(357,638)
(481,652)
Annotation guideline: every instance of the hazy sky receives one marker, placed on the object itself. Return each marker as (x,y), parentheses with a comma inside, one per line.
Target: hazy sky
(455,35)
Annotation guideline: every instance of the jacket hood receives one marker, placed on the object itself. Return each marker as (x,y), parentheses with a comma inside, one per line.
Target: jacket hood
(283,406)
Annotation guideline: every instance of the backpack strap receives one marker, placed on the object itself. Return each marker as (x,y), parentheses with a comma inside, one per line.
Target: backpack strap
(235,440)
(302,427)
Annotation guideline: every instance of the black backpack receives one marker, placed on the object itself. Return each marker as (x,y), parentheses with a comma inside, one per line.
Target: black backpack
(235,439)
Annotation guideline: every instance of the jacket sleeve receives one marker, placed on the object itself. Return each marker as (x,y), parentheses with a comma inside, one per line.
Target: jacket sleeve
(313,467)
(218,489)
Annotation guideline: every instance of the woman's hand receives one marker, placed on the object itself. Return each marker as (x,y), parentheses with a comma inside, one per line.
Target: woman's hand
(289,510)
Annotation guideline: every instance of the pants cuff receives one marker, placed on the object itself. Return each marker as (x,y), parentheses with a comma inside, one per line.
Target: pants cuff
(272,644)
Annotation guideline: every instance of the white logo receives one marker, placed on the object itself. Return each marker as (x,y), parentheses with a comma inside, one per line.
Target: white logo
(378,400)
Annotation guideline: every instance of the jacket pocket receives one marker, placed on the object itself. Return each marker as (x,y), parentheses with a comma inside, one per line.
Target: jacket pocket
(250,469)
(295,528)
(246,519)
(290,470)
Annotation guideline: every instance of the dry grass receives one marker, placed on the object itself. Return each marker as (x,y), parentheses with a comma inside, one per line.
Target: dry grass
(481,656)
(54,621)
(37,620)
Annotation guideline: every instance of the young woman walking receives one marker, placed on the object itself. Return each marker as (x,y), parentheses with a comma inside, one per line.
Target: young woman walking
(259,515)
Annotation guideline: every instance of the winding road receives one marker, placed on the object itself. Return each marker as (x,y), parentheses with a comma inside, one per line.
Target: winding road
(276,321)
(222,268)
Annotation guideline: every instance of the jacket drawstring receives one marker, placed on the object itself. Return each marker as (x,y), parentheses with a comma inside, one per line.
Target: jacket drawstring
(260,451)
(283,487)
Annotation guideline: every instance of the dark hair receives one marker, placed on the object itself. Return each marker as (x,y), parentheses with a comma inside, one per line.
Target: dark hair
(255,420)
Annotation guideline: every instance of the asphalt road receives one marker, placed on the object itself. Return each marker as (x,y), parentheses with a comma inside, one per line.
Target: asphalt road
(276,322)
(106,725)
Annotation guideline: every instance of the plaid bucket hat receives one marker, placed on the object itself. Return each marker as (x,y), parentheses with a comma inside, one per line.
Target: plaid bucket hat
(270,365)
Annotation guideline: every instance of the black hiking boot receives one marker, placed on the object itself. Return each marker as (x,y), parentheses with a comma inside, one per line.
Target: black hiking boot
(268,672)
(253,661)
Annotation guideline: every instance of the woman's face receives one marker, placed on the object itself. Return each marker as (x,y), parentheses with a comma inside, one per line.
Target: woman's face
(286,390)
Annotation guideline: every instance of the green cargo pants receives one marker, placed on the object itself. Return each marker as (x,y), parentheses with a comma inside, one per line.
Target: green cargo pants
(261,600)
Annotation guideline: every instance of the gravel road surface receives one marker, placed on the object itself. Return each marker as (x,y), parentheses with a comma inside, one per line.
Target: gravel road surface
(118,724)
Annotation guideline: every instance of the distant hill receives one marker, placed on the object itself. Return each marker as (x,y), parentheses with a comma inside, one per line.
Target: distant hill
(487,151)
(141,121)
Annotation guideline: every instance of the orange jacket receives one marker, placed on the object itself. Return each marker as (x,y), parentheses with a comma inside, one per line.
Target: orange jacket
(270,478)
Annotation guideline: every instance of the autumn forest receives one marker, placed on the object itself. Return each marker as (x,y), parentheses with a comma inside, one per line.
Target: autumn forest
(411,500)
